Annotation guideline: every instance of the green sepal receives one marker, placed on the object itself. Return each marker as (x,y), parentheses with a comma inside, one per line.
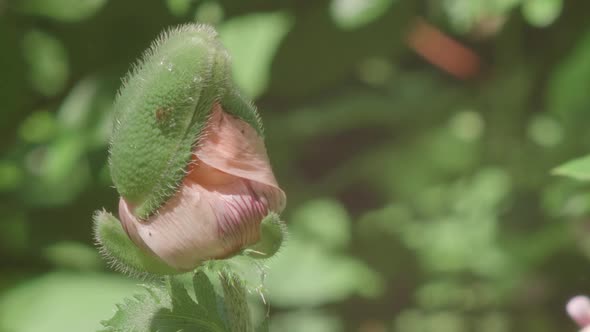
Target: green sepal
(236,302)
(121,252)
(273,232)
(161,111)
(234,103)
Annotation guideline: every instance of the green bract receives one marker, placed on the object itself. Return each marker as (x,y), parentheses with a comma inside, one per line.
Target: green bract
(161,110)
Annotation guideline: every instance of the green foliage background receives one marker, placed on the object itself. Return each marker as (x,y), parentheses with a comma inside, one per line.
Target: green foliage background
(417,201)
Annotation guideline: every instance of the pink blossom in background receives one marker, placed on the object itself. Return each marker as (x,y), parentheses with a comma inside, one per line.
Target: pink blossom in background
(578,308)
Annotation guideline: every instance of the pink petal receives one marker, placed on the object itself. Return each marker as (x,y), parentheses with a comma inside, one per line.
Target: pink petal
(217,211)
(579,310)
(234,147)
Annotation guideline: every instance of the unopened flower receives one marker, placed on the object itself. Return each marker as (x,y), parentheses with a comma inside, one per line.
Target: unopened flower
(217,210)
(188,159)
(578,309)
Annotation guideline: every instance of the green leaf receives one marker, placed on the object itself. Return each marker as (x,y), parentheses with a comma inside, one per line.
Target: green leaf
(60,168)
(308,321)
(316,276)
(186,314)
(206,296)
(76,110)
(11,175)
(253,41)
(137,313)
(38,127)
(48,62)
(62,301)
(179,7)
(567,94)
(163,309)
(350,14)
(73,255)
(15,231)
(62,10)
(209,12)
(324,220)
(578,169)
(464,15)
(541,13)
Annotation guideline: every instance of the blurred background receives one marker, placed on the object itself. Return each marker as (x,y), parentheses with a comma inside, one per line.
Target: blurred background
(415,141)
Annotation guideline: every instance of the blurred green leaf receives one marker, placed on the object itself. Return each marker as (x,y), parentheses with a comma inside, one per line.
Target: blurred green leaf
(62,10)
(179,7)
(61,157)
(438,294)
(15,232)
(305,65)
(323,221)
(252,40)
(60,301)
(58,172)
(467,125)
(38,127)
(73,255)
(578,169)
(306,274)
(350,14)
(87,111)
(306,321)
(376,70)
(75,111)
(48,62)
(462,233)
(443,321)
(545,131)
(541,13)
(494,322)
(465,15)
(11,175)
(210,12)
(14,86)
(567,95)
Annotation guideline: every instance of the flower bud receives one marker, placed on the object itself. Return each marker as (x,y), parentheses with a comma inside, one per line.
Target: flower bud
(188,159)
